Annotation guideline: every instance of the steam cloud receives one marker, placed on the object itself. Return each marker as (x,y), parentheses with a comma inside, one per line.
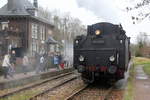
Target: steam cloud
(105,9)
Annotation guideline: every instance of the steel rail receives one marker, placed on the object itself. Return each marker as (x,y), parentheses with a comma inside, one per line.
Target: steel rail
(106,94)
(53,88)
(76,93)
(33,85)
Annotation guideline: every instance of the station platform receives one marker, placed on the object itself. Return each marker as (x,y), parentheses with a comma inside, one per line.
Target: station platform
(23,79)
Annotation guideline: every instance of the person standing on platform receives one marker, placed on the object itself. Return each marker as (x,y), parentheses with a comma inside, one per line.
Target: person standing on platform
(37,62)
(56,61)
(40,67)
(59,57)
(25,64)
(6,66)
(42,60)
(46,67)
(62,64)
(51,59)
(12,62)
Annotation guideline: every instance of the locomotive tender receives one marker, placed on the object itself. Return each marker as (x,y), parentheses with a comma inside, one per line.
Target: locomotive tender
(103,53)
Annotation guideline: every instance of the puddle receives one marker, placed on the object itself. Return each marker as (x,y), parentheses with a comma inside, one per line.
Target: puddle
(147,85)
(142,77)
(141,74)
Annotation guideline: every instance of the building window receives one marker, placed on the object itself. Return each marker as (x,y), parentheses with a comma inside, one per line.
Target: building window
(34,31)
(42,32)
(34,46)
(4,25)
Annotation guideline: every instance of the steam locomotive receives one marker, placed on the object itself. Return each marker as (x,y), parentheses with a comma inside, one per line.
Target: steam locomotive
(104,53)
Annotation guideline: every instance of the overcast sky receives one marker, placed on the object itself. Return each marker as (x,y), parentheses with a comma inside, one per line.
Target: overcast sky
(93,11)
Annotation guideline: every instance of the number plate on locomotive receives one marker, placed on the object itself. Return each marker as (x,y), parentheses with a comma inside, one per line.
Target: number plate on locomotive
(98,41)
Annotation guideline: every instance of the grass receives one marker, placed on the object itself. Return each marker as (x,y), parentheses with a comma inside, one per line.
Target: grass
(21,96)
(129,95)
(147,69)
(143,61)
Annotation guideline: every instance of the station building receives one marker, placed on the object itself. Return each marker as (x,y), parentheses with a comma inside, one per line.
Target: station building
(23,28)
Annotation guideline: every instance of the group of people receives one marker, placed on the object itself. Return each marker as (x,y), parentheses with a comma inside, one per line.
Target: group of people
(56,60)
(40,63)
(9,64)
(60,61)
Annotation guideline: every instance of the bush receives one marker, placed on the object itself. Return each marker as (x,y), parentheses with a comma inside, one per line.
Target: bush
(138,54)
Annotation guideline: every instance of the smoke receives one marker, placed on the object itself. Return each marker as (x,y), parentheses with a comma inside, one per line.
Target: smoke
(105,9)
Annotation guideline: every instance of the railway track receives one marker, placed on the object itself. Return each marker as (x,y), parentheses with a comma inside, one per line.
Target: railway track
(92,93)
(36,86)
(44,94)
(76,93)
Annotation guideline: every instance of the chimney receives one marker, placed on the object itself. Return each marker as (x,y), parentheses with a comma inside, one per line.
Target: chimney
(14,4)
(10,4)
(35,3)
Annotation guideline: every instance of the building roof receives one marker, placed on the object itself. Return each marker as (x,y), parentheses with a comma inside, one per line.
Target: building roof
(16,7)
(21,8)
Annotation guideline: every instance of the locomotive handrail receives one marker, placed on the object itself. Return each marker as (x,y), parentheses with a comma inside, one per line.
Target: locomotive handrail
(98,49)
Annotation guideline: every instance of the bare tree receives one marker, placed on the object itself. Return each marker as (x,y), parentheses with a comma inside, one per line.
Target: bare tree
(44,13)
(138,5)
(142,39)
(142,14)
(66,27)
(142,44)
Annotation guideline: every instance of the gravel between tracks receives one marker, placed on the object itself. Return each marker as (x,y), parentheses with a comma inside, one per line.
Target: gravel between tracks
(94,93)
(63,91)
(35,90)
(7,92)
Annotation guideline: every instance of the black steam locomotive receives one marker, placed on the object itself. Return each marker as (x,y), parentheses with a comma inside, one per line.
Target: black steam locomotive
(102,54)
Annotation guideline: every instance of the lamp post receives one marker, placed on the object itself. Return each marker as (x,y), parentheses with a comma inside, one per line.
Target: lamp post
(63,41)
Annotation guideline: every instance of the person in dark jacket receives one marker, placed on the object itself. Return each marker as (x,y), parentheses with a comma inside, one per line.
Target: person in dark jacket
(12,62)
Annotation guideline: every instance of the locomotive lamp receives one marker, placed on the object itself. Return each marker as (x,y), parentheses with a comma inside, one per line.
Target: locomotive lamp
(97,32)
(112,58)
(76,41)
(81,68)
(112,69)
(81,58)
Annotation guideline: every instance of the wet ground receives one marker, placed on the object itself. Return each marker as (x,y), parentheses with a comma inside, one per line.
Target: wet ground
(142,85)
(121,84)
(22,75)
(140,74)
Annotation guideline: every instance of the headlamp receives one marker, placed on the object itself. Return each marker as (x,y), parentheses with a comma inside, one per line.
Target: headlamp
(112,58)
(112,69)
(81,58)
(97,32)
(76,41)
